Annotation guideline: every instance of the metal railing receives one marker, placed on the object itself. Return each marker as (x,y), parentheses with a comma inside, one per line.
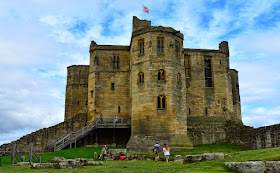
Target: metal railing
(73,137)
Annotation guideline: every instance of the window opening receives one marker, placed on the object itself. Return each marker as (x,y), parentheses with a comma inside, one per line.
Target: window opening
(178,77)
(160,45)
(188,66)
(91,93)
(118,62)
(161,74)
(119,109)
(208,73)
(114,62)
(141,47)
(112,86)
(141,77)
(161,102)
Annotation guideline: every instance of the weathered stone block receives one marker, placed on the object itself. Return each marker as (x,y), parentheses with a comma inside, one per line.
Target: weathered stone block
(178,158)
(23,163)
(43,165)
(247,167)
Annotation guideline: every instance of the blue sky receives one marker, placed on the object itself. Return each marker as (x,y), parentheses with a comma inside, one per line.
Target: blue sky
(39,39)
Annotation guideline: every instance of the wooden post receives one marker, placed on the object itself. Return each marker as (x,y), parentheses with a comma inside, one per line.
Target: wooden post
(114,136)
(13,153)
(75,141)
(30,151)
(71,140)
(39,159)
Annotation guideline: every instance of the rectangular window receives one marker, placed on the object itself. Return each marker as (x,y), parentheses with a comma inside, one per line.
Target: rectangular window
(177,48)
(119,109)
(141,47)
(112,86)
(188,66)
(91,93)
(208,73)
(160,44)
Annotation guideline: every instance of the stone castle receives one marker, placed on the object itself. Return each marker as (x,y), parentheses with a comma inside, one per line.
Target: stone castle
(178,95)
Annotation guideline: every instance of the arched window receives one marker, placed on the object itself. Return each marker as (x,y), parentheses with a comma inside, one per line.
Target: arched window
(118,61)
(141,77)
(161,74)
(160,45)
(179,77)
(114,62)
(161,102)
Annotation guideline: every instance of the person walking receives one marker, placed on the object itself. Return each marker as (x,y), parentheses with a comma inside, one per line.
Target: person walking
(166,152)
(156,151)
(101,119)
(116,119)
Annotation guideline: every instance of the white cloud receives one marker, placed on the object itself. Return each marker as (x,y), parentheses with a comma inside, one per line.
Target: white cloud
(40,40)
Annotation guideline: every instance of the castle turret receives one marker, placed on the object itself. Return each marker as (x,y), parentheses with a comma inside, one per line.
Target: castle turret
(223,47)
(76,90)
(158,91)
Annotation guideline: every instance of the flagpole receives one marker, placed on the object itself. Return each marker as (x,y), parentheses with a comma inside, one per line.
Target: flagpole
(142,10)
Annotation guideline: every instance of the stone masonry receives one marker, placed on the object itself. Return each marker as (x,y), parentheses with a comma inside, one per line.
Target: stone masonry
(177,95)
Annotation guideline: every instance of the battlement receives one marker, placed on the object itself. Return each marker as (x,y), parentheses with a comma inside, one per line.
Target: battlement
(139,24)
(110,47)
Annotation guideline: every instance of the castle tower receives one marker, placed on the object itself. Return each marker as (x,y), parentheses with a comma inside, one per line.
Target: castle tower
(76,100)
(158,88)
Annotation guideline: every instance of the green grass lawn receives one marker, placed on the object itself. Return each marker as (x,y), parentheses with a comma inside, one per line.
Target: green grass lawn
(236,154)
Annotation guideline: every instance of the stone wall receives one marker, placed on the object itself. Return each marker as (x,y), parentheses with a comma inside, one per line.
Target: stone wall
(109,90)
(158,103)
(76,100)
(41,138)
(209,130)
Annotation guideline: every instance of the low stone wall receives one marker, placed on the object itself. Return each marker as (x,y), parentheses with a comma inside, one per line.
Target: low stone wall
(202,157)
(41,138)
(209,130)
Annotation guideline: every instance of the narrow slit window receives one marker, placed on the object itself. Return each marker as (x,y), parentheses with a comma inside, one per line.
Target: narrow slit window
(91,93)
(208,73)
(160,45)
(179,77)
(112,86)
(141,77)
(119,109)
(141,47)
(114,62)
(118,62)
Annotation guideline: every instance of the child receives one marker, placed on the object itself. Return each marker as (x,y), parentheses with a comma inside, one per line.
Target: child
(156,150)
(166,151)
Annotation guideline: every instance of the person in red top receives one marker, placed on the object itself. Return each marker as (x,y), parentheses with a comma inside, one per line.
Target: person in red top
(122,157)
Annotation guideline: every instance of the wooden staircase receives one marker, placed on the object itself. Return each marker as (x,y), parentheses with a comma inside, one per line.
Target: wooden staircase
(72,137)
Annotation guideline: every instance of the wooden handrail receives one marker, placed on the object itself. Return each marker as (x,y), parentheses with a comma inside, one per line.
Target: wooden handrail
(69,138)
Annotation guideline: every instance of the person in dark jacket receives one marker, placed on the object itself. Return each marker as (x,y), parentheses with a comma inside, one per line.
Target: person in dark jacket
(156,151)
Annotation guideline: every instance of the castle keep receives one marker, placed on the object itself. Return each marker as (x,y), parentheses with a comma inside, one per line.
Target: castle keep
(165,92)
(156,82)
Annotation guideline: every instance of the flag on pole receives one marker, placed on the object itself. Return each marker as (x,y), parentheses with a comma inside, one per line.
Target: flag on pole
(146,10)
